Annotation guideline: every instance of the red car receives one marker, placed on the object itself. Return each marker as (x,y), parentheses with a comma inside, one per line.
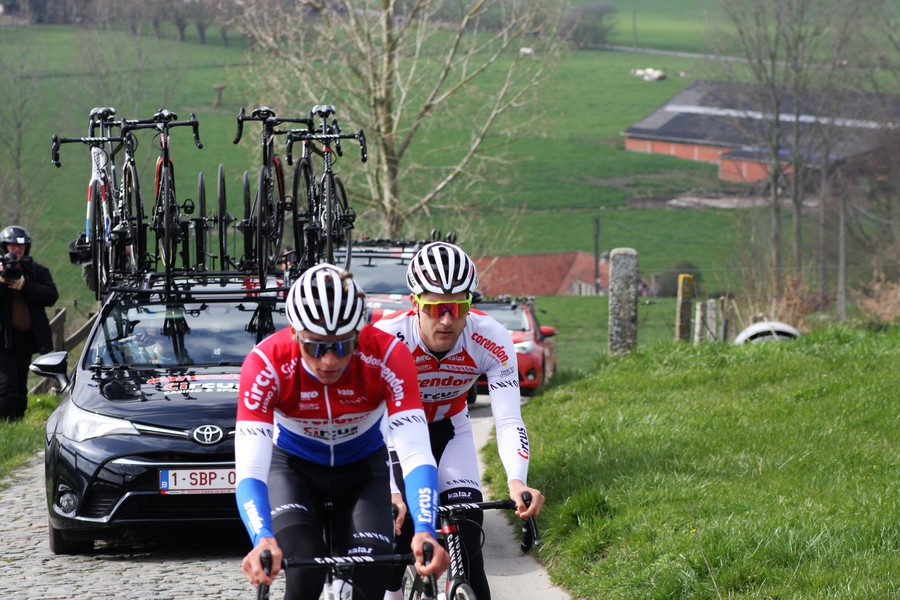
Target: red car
(535,349)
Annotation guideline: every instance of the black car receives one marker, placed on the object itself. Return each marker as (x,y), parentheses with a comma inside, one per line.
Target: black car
(379,267)
(144,432)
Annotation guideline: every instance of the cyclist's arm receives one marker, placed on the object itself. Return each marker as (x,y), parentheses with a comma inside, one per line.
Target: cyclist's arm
(408,433)
(512,436)
(253,444)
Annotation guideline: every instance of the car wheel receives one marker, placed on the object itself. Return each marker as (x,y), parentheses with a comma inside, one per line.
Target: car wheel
(472,395)
(60,544)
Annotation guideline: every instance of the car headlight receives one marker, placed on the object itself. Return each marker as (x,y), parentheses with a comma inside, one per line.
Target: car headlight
(79,425)
(524,347)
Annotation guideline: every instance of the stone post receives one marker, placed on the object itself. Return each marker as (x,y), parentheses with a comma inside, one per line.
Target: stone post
(218,89)
(712,320)
(699,322)
(683,307)
(623,280)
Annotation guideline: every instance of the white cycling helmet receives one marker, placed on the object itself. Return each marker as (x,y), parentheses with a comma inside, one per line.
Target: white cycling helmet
(326,300)
(442,268)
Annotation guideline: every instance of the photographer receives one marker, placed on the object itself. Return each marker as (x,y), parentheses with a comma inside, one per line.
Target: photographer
(26,289)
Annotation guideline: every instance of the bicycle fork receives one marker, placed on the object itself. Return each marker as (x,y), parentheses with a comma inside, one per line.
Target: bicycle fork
(456,573)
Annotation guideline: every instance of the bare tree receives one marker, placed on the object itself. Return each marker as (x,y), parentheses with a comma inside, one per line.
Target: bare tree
(404,69)
(791,53)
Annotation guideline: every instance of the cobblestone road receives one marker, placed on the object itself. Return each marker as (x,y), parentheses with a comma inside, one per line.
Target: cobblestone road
(190,562)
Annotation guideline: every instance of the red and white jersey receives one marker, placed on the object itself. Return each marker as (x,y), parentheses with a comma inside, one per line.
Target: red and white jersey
(485,347)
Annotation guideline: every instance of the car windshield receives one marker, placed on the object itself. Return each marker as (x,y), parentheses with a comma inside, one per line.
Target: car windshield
(183,333)
(511,317)
(380,276)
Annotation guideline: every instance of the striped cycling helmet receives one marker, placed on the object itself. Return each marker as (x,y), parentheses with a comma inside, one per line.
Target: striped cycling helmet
(442,268)
(326,300)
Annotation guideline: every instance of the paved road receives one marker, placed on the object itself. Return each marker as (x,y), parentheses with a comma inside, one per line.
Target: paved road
(190,562)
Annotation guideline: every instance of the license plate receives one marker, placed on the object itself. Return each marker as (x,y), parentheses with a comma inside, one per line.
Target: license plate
(196,481)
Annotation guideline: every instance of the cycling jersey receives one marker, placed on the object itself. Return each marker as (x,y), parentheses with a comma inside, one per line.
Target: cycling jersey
(280,402)
(485,347)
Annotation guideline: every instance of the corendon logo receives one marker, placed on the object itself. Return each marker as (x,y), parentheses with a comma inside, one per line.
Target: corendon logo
(254,396)
(394,382)
(491,346)
(447,381)
(523,443)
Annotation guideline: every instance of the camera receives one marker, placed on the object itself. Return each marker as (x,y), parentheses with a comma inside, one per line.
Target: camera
(12,265)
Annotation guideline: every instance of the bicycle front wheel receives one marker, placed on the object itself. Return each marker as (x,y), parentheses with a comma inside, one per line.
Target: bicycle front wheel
(463,592)
(329,220)
(343,222)
(200,224)
(223,219)
(263,226)
(100,268)
(168,225)
(411,585)
(304,209)
(133,204)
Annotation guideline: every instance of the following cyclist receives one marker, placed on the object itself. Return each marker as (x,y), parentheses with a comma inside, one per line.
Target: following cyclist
(311,413)
(452,347)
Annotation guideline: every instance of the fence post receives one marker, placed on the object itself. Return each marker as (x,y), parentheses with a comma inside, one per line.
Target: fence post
(699,322)
(623,280)
(683,307)
(58,329)
(712,319)
(725,321)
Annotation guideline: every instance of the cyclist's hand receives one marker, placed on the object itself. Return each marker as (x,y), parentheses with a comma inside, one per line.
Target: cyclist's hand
(252,566)
(439,561)
(516,488)
(397,500)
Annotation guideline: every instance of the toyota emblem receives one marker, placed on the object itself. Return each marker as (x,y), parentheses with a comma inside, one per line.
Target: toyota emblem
(208,434)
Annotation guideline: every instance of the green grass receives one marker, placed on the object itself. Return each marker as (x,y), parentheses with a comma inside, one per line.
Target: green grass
(711,471)
(21,440)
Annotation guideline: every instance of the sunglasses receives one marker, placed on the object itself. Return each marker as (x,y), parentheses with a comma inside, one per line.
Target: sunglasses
(341,348)
(456,308)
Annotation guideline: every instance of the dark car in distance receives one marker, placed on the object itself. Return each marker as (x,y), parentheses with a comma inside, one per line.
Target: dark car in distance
(144,431)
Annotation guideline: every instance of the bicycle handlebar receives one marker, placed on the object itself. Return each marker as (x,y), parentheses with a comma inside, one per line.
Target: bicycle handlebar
(530,535)
(90,141)
(264,113)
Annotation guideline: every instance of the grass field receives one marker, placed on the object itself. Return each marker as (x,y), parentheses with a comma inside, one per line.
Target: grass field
(760,471)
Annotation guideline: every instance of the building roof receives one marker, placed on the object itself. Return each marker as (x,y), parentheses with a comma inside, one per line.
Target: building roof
(730,115)
(538,274)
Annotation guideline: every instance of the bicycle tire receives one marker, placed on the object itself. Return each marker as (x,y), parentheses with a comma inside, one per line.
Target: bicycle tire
(99,257)
(223,219)
(304,200)
(249,255)
(133,205)
(411,585)
(463,592)
(343,236)
(328,218)
(277,205)
(261,212)
(200,224)
(168,225)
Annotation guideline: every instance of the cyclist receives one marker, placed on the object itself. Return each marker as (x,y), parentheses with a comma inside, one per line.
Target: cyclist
(452,347)
(311,412)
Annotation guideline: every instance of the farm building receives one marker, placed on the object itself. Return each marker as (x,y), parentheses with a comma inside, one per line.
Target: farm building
(557,274)
(722,123)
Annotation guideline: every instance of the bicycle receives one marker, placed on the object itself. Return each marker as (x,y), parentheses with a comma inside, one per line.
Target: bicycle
(451,516)
(166,219)
(322,216)
(266,216)
(339,577)
(113,215)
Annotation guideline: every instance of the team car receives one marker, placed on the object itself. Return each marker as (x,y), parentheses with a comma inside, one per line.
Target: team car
(144,431)
(535,348)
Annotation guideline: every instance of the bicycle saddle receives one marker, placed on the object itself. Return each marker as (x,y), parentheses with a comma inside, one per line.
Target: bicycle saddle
(323,111)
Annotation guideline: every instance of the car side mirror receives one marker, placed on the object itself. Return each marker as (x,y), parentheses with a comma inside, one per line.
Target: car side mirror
(547,331)
(54,364)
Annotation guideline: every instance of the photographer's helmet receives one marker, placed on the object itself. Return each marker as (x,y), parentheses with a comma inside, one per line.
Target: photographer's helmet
(15,234)
(442,268)
(326,301)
